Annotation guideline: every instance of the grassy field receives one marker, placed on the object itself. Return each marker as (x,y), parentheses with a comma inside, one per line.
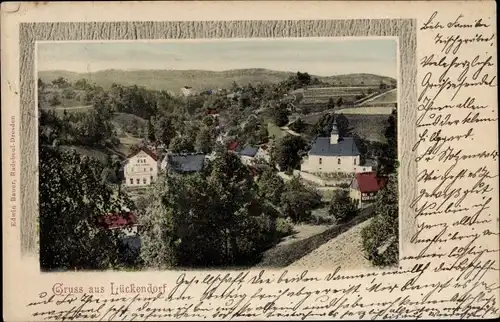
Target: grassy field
(386,98)
(275,130)
(380,110)
(173,80)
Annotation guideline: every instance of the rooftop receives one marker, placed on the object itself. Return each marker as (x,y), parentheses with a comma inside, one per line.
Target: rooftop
(117,220)
(369,182)
(145,150)
(345,147)
(249,151)
(186,162)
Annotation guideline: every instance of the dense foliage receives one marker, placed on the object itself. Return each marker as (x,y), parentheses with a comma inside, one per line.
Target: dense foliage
(211,218)
(73,200)
(380,238)
(342,207)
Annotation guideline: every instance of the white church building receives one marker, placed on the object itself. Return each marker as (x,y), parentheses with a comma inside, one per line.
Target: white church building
(332,154)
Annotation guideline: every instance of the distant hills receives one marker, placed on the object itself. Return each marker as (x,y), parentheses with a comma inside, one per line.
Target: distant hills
(173,80)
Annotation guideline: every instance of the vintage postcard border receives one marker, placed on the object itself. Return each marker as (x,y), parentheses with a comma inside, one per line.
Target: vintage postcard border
(30,33)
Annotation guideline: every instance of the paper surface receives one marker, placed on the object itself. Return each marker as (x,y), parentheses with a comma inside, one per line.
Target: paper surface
(447,154)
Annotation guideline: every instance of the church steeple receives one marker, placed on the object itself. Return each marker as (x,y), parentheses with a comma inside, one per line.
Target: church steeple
(334,134)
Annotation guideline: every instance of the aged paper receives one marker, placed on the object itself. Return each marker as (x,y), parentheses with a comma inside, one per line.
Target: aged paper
(279,160)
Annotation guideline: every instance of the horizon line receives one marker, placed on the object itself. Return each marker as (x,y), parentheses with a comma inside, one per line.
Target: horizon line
(208,70)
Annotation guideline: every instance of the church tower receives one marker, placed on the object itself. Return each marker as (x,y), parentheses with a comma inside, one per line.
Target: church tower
(334,135)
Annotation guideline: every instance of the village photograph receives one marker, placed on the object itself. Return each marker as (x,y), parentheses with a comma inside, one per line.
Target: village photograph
(218,154)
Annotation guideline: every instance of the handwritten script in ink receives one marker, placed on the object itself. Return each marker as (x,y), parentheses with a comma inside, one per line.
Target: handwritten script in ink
(452,270)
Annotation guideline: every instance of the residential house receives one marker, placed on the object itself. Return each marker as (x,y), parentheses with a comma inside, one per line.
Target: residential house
(366,166)
(332,154)
(184,162)
(125,221)
(187,90)
(141,168)
(247,155)
(263,153)
(233,146)
(127,224)
(365,186)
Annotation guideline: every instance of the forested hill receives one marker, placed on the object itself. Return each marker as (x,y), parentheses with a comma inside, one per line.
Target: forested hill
(173,80)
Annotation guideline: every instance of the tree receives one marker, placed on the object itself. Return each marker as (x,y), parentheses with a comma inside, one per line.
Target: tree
(342,207)
(323,127)
(164,129)
(303,78)
(342,124)
(213,218)
(54,100)
(287,152)
(388,158)
(380,237)
(181,144)
(331,104)
(271,186)
(151,131)
(280,114)
(340,102)
(298,201)
(73,201)
(262,134)
(298,126)
(205,140)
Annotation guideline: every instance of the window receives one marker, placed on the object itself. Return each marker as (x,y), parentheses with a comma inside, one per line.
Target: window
(151,178)
(339,161)
(138,181)
(320,161)
(151,169)
(131,181)
(144,169)
(144,181)
(354,160)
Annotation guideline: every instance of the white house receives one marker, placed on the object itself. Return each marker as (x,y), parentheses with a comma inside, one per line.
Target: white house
(247,155)
(365,187)
(332,154)
(187,90)
(263,153)
(141,168)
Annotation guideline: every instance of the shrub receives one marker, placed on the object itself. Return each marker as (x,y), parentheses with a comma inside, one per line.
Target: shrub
(342,207)
(284,226)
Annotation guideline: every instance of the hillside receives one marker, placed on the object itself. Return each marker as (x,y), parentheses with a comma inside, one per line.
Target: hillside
(173,80)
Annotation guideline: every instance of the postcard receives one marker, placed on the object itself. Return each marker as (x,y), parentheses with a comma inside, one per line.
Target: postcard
(291,160)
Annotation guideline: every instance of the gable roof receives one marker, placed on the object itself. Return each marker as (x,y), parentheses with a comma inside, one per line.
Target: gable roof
(345,147)
(249,151)
(233,146)
(185,163)
(369,182)
(118,220)
(145,150)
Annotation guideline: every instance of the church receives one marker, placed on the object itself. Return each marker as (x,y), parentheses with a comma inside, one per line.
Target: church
(332,154)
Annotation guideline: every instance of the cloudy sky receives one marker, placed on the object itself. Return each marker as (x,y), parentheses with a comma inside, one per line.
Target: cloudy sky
(317,56)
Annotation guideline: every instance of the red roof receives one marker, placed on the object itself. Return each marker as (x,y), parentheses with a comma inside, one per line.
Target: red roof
(233,146)
(254,171)
(369,182)
(145,150)
(124,219)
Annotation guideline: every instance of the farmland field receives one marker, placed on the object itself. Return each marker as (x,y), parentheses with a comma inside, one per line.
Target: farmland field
(386,98)
(375,110)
